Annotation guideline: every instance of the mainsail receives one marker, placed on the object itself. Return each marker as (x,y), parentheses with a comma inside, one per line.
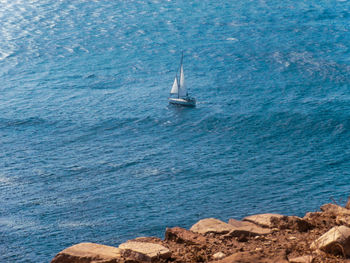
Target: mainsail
(182,87)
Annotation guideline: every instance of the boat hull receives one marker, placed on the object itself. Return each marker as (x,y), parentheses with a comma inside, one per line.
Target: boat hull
(183,102)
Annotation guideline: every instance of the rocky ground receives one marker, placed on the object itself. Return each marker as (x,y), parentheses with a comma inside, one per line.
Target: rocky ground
(317,237)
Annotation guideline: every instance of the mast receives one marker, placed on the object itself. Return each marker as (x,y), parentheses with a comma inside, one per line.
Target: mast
(182,87)
(179,82)
(181,75)
(182,58)
(178,85)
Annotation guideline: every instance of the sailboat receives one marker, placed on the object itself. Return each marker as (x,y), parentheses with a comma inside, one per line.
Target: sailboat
(178,93)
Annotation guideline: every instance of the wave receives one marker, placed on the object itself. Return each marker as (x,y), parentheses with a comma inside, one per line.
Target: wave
(281,122)
(313,68)
(331,119)
(31,121)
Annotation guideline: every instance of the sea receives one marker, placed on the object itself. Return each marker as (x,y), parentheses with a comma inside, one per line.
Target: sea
(91,151)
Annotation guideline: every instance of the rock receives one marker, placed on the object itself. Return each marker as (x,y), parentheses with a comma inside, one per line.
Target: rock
(256,257)
(293,222)
(263,220)
(347,206)
(143,251)
(302,259)
(242,257)
(211,225)
(320,219)
(335,209)
(312,215)
(273,221)
(336,241)
(343,220)
(219,255)
(154,240)
(184,236)
(245,228)
(88,252)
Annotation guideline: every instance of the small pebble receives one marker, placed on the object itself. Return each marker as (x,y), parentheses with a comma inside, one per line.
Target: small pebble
(219,255)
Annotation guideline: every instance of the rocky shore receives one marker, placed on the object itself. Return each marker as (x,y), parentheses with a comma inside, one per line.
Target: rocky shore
(322,236)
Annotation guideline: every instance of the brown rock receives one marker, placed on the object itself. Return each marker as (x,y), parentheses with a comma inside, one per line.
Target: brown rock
(312,215)
(279,221)
(320,219)
(241,257)
(250,257)
(154,240)
(88,252)
(263,220)
(336,241)
(144,252)
(347,206)
(302,259)
(184,236)
(335,209)
(211,225)
(245,228)
(343,220)
(292,222)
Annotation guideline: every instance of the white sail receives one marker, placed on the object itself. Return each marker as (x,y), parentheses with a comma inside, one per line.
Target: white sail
(182,88)
(175,88)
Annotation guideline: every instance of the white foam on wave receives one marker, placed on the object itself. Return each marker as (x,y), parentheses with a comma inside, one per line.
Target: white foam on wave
(70,50)
(232,39)
(4,180)
(339,129)
(75,224)
(5,55)
(151,171)
(16,223)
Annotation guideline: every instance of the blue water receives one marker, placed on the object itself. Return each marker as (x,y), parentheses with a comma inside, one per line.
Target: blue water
(91,151)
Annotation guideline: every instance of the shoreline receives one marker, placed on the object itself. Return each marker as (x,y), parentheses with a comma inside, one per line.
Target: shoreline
(322,236)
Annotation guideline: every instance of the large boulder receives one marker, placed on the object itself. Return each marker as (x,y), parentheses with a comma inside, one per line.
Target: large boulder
(211,225)
(336,241)
(88,252)
(245,228)
(184,236)
(144,251)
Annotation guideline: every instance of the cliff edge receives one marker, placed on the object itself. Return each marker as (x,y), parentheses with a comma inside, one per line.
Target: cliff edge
(322,236)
